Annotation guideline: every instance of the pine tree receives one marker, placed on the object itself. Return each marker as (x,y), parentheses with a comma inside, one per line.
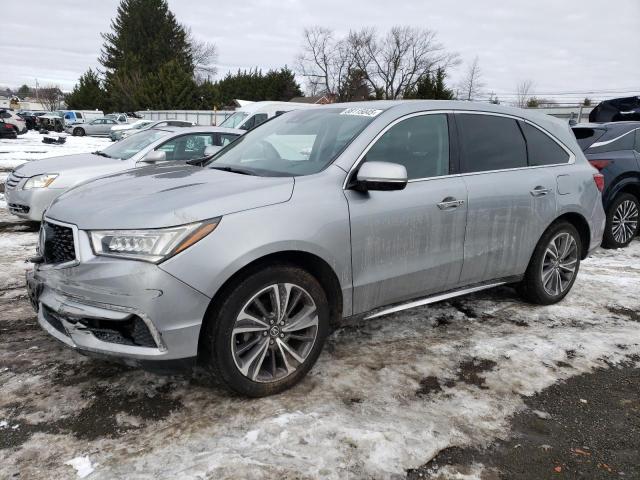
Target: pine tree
(432,87)
(88,93)
(146,42)
(24,91)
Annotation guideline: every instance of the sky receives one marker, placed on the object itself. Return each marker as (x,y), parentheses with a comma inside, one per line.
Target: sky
(568,47)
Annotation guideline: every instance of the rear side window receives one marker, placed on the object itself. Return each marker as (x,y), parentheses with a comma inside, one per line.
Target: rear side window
(542,150)
(490,142)
(587,136)
(638,140)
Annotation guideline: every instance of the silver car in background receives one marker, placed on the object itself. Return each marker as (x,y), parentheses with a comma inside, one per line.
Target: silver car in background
(359,209)
(32,186)
(99,127)
(118,133)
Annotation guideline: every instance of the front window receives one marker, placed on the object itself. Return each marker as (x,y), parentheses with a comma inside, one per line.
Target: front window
(234,120)
(127,148)
(299,143)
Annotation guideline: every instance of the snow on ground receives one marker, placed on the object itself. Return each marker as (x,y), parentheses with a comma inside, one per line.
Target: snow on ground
(29,147)
(385,396)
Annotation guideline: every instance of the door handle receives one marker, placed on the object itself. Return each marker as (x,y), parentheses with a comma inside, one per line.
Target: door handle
(450,203)
(539,191)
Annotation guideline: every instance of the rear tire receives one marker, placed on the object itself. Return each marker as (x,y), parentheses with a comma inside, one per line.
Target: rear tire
(78,132)
(554,265)
(257,346)
(622,221)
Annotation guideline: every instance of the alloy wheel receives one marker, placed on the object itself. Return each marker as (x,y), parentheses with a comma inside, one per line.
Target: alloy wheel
(274,332)
(559,264)
(624,223)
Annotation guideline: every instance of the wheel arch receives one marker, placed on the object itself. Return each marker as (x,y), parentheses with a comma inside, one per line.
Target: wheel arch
(628,182)
(581,225)
(315,265)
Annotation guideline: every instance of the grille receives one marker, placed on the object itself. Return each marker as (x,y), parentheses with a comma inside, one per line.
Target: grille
(132,331)
(13,180)
(17,208)
(57,245)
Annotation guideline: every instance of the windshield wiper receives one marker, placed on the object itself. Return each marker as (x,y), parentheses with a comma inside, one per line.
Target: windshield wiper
(102,154)
(234,170)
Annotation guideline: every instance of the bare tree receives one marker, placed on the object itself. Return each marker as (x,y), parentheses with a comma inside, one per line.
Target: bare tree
(471,85)
(51,97)
(396,62)
(391,65)
(204,55)
(523,92)
(324,61)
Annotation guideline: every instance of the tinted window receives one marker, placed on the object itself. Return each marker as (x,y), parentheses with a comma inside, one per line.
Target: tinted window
(78,114)
(490,143)
(420,143)
(542,150)
(638,140)
(624,142)
(587,136)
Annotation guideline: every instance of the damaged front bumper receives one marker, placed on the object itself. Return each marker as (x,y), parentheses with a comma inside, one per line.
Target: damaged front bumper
(125,310)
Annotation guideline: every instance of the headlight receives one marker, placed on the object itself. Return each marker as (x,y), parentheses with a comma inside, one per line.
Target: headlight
(40,181)
(154,245)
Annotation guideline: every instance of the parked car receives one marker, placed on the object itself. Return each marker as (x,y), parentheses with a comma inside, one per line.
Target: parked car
(349,209)
(614,149)
(7,130)
(31,118)
(141,125)
(120,118)
(12,118)
(255,113)
(117,131)
(31,187)
(616,110)
(97,127)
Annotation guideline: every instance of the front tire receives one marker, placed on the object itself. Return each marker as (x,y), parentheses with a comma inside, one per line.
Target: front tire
(622,221)
(554,266)
(78,132)
(267,332)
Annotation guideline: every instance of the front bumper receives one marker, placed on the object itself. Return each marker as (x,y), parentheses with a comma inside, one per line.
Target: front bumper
(88,305)
(30,204)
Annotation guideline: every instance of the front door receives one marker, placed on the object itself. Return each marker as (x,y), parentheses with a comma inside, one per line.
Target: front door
(409,243)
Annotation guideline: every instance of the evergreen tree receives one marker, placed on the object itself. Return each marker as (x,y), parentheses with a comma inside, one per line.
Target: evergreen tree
(432,87)
(88,93)
(146,42)
(24,91)
(355,87)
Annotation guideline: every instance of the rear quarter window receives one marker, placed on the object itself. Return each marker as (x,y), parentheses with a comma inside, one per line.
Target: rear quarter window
(541,148)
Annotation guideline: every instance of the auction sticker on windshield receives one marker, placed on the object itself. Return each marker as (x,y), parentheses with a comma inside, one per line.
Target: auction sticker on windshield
(362,112)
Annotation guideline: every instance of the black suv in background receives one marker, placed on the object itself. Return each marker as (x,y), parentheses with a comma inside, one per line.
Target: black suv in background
(614,149)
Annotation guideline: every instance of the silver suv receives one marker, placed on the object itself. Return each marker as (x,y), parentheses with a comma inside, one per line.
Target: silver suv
(356,209)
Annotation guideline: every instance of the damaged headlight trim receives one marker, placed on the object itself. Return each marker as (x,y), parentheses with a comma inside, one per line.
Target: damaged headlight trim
(150,245)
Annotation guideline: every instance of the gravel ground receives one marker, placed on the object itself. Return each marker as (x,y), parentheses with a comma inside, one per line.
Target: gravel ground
(482,387)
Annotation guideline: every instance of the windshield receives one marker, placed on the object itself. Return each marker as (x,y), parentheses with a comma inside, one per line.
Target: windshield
(302,142)
(234,120)
(128,147)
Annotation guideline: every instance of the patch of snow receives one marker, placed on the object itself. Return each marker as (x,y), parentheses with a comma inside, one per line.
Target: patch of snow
(82,465)
(3,424)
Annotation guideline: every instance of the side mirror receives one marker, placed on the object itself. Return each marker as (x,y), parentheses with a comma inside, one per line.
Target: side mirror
(383,176)
(155,157)
(211,150)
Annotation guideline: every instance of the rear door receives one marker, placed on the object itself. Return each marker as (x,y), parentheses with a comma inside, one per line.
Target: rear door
(510,203)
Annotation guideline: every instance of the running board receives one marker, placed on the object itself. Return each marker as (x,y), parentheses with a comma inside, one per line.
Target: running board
(434,299)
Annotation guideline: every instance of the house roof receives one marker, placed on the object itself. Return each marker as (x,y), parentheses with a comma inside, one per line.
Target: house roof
(313,99)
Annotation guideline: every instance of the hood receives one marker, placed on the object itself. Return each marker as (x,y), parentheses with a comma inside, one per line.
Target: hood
(165,196)
(73,168)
